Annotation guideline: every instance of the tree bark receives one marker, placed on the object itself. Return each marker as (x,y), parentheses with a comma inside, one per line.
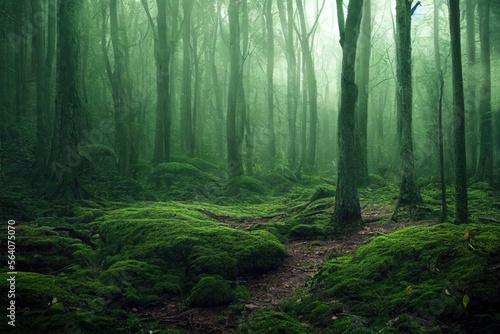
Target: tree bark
(234,161)
(187,142)
(458,114)
(470,102)
(409,194)
(270,83)
(485,166)
(347,208)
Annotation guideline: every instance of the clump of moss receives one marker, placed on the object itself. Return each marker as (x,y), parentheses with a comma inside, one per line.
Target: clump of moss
(432,272)
(323,192)
(239,184)
(272,323)
(305,232)
(211,291)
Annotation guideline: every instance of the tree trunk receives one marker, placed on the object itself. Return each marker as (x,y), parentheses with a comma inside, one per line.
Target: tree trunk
(186,135)
(312,88)
(234,162)
(485,166)
(364,76)
(458,114)
(42,93)
(270,83)
(18,7)
(409,194)
(347,209)
(217,92)
(437,58)
(65,158)
(470,101)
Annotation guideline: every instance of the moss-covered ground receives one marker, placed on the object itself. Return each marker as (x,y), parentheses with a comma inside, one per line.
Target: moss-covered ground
(183,250)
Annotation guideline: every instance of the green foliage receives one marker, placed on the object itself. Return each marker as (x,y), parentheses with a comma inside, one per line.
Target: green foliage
(238,185)
(211,291)
(323,192)
(272,323)
(306,232)
(419,270)
(377,181)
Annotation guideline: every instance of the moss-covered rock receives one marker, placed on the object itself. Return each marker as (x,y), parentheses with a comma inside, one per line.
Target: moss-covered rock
(323,192)
(211,291)
(239,184)
(306,232)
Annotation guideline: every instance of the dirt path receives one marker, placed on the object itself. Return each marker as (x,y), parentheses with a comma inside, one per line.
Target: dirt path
(273,288)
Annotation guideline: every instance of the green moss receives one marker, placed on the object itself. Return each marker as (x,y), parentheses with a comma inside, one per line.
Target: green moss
(272,323)
(306,232)
(323,192)
(211,291)
(421,270)
(239,184)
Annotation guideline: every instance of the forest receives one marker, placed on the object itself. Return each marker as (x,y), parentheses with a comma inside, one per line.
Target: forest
(250,166)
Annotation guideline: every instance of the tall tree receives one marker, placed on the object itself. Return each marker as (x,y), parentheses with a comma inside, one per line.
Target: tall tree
(312,85)
(187,140)
(363,76)
(18,7)
(470,99)
(458,114)
(409,194)
(234,162)
(65,159)
(286,19)
(437,59)
(270,83)
(162,58)
(42,79)
(485,166)
(347,208)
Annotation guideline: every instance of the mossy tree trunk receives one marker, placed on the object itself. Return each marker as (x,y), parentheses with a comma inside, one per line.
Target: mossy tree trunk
(347,208)
(471,85)
(458,114)
(409,194)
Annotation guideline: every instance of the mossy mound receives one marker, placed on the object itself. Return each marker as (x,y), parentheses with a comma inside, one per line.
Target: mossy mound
(432,274)
(211,291)
(185,243)
(272,323)
(183,181)
(306,232)
(245,185)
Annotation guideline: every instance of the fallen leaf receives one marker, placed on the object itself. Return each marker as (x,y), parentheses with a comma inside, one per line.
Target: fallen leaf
(465,300)
(447,292)
(408,288)
(466,236)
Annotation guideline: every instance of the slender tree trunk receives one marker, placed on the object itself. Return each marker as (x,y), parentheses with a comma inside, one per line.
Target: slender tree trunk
(364,76)
(409,194)
(234,161)
(458,114)
(270,83)
(470,101)
(485,167)
(312,88)
(66,160)
(18,7)
(187,143)
(437,58)
(42,92)
(347,208)
(303,132)
(217,91)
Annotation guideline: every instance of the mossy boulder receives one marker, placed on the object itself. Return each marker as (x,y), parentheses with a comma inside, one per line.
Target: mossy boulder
(211,291)
(376,181)
(323,192)
(305,232)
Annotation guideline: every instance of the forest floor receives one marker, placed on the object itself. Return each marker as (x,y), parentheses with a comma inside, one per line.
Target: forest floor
(273,289)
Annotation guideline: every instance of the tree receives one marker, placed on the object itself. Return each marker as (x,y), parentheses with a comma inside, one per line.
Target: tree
(485,167)
(187,140)
(234,162)
(409,194)
(437,58)
(458,114)
(312,85)
(347,209)
(65,158)
(471,83)
(286,19)
(363,76)
(270,90)
(162,59)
